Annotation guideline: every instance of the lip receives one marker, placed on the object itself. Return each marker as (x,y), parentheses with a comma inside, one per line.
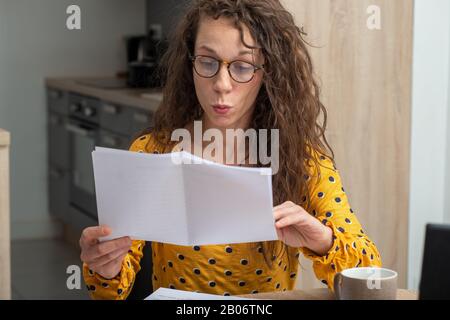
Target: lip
(221,108)
(218,105)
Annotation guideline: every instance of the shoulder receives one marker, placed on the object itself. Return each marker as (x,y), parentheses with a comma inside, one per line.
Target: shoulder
(149,143)
(324,185)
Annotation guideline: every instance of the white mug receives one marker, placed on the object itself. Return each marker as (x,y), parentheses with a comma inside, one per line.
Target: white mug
(366,283)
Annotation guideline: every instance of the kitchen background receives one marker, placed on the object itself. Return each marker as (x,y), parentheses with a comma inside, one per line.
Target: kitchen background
(61,91)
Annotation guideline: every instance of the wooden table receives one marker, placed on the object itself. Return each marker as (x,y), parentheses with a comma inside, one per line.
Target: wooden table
(319,294)
(5,264)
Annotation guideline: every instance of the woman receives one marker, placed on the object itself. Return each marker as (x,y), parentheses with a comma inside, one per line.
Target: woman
(239,64)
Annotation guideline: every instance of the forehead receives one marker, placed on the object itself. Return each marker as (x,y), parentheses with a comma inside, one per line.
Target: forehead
(223,36)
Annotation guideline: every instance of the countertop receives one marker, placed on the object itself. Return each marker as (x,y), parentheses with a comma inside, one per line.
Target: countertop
(148,99)
(318,294)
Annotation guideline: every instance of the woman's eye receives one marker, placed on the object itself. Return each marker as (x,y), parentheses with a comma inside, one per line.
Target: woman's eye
(207,63)
(242,67)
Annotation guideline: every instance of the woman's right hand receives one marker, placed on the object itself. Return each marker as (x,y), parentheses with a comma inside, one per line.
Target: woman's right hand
(104,258)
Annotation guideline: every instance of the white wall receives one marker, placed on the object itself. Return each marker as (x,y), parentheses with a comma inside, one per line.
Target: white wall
(430,126)
(34,44)
(447,176)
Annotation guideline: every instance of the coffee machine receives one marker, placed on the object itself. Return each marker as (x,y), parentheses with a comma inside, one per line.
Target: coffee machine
(143,57)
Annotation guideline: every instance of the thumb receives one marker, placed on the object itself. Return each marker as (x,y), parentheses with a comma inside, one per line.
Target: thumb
(105,230)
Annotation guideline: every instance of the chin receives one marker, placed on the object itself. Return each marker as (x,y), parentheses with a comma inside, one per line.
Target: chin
(218,121)
(222,124)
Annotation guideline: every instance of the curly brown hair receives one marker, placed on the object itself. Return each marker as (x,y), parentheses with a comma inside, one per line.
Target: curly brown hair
(288,99)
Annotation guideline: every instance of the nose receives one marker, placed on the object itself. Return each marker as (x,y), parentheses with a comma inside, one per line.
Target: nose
(222,80)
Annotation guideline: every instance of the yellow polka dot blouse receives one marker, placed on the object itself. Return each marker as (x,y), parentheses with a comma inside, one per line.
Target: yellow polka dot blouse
(232,269)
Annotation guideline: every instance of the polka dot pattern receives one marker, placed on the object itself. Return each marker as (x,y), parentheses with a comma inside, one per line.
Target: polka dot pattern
(331,207)
(232,269)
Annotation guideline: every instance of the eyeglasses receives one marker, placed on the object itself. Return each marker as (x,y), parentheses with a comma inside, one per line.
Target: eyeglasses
(240,71)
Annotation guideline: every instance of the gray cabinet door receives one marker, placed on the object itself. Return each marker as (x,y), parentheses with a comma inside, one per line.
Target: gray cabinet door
(58,141)
(58,193)
(113,140)
(140,120)
(57,101)
(115,117)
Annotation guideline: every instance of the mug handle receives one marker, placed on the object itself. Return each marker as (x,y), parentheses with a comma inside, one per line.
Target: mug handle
(337,285)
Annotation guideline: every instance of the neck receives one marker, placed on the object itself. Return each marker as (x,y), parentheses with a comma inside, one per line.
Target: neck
(229,147)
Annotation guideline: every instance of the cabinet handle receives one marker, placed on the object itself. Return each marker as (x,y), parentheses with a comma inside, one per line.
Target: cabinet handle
(141,117)
(76,178)
(54,94)
(54,120)
(111,141)
(55,174)
(78,130)
(75,107)
(111,109)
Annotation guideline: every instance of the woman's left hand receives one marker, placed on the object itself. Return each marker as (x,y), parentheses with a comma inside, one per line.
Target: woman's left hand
(297,228)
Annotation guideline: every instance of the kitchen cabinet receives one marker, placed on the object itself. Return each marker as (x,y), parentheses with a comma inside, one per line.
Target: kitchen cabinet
(365,76)
(80,118)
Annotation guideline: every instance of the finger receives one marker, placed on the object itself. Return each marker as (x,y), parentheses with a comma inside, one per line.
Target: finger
(93,258)
(284,212)
(288,221)
(285,204)
(103,260)
(106,247)
(90,235)
(110,246)
(110,269)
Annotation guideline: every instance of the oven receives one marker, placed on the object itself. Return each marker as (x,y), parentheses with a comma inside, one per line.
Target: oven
(84,135)
(92,122)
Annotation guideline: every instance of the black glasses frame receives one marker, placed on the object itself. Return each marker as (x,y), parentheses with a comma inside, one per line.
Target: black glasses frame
(228,64)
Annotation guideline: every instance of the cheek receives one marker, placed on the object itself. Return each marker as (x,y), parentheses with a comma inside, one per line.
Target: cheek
(259,81)
(251,93)
(201,88)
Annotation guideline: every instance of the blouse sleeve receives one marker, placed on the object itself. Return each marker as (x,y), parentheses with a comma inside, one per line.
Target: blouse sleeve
(119,288)
(351,246)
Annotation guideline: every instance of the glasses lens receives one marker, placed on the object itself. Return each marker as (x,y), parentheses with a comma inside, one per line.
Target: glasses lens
(206,66)
(242,71)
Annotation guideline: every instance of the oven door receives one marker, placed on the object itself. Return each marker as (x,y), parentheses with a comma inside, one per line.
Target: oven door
(83,139)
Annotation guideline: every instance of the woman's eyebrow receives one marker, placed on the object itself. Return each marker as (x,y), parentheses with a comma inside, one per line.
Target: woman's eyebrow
(213,51)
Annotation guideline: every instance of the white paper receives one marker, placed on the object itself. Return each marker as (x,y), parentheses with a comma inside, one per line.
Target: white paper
(173,294)
(152,197)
